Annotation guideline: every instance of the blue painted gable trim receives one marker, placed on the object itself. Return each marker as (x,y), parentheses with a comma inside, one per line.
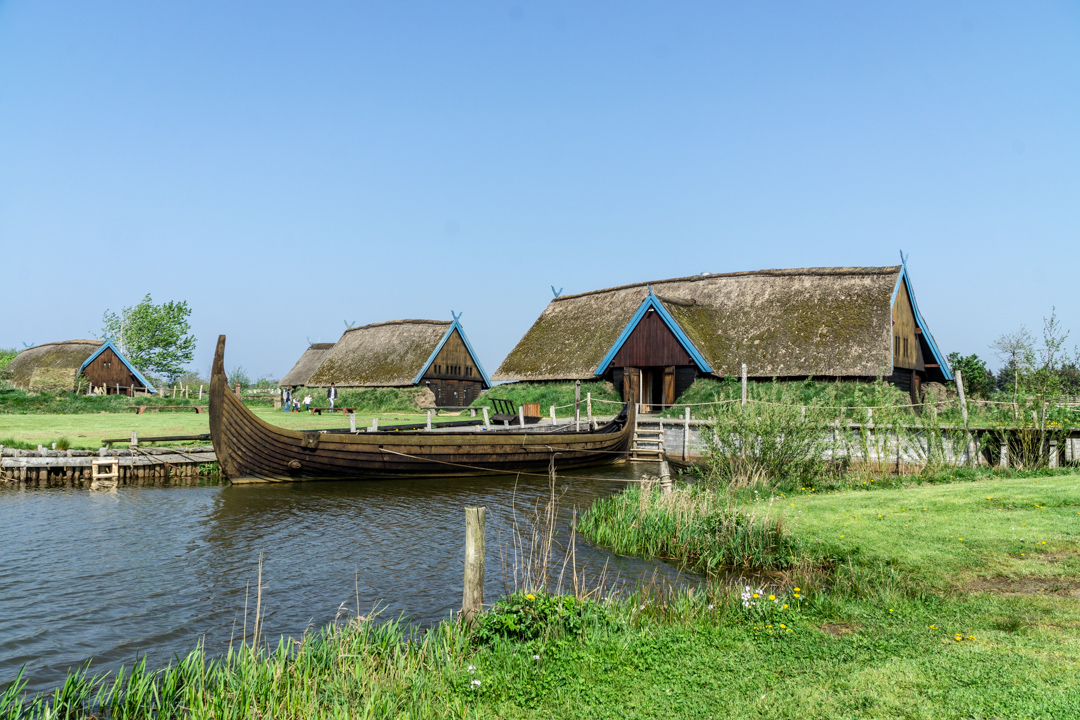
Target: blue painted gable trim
(468,346)
(904,277)
(107,345)
(651,301)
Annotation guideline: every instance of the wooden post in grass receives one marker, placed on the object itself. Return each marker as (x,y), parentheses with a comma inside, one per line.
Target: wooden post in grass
(521,415)
(352,422)
(374,425)
(428,425)
(134,439)
(588,407)
(969,448)
(552,410)
(473,600)
(1004,461)
(744,385)
(487,420)
(665,476)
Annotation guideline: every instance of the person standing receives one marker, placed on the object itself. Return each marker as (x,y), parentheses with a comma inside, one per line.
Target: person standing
(307,402)
(331,395)
(286,399)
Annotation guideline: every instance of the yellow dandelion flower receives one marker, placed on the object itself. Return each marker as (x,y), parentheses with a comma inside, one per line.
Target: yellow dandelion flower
(772,597)
(756,596)
(530,596)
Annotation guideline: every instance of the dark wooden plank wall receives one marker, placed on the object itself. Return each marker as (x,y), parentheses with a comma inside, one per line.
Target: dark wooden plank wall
(453,362)
(107,371)
(652,344)
(454,392)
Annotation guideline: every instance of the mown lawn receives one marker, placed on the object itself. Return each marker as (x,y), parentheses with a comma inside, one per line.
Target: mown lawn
(88,430)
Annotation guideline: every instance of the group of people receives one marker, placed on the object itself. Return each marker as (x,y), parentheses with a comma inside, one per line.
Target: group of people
(291,403)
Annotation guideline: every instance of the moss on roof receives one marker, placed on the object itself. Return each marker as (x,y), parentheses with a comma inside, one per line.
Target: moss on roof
(800,322)
(50,365)
(389,354)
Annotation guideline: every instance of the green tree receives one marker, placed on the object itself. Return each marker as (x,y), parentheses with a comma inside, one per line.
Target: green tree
(978,380)
(155,338)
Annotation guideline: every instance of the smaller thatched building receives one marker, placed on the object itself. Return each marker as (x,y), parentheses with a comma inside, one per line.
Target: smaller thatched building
(77,364)
(405,353)
(652,340)
(306,366)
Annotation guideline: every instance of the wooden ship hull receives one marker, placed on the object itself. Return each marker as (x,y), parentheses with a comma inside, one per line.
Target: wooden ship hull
(251,450)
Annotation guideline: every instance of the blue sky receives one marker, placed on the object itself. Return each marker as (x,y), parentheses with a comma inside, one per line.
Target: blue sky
(285,167)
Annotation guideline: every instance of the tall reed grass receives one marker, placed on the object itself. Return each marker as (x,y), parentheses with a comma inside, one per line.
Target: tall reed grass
(695,526)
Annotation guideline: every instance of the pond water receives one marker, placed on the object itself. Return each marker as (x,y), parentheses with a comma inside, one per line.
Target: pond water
(150,572)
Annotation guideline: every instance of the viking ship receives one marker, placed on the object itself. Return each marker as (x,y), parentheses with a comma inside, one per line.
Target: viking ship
(251,450)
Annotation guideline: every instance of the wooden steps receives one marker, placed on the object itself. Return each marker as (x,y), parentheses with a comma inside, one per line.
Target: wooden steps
(647,445)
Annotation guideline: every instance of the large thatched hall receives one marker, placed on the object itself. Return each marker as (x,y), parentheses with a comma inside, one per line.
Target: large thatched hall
(652,340)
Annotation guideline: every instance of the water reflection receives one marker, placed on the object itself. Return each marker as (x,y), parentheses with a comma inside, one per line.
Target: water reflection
(106,576)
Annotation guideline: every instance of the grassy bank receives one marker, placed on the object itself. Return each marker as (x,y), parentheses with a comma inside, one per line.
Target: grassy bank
(559,394)
(86,431)
(938,601)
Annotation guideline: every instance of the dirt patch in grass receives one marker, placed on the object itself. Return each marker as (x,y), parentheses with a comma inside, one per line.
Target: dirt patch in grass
(1055,557)
(1028,585)
(840,629)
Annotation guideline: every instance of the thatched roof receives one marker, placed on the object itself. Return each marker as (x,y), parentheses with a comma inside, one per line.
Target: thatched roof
(52,365)
(389,354)
(781,323)
(306,366)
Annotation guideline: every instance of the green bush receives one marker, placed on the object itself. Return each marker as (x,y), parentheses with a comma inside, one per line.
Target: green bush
(524,616)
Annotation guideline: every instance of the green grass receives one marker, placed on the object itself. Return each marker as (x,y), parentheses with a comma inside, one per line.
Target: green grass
(86,431)
(909,621)
(559,394)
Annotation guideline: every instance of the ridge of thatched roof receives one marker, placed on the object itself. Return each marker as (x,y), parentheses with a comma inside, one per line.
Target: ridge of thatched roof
(53,365)
(386,354)
(306,366)
(781,323)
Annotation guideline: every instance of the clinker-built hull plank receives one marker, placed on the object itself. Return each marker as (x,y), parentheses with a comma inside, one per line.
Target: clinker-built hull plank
(252,450)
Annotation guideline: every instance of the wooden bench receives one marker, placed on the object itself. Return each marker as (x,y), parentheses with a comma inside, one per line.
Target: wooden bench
(140,409)
(320,410)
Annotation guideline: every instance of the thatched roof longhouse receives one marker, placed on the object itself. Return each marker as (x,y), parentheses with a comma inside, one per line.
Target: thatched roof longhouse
(781,323)
(52,366)
(388,354)
(306,366)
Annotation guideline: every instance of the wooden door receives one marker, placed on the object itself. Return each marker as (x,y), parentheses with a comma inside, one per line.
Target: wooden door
(669,385)
(631,385)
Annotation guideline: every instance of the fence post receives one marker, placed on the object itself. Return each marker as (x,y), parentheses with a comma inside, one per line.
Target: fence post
(665,477)
(588,407)
(237,391)
(487,421)
(577,406)
(1053,453)
(968,442)
(134,439)
(200,392)
(428,426)
(1004,461)
(744,385)
(473,597)
(374,425)
(352,422)
(521,415)
(552,414)
(686,435)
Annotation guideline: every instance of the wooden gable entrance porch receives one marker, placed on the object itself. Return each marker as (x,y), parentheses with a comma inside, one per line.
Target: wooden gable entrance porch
(652,367)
